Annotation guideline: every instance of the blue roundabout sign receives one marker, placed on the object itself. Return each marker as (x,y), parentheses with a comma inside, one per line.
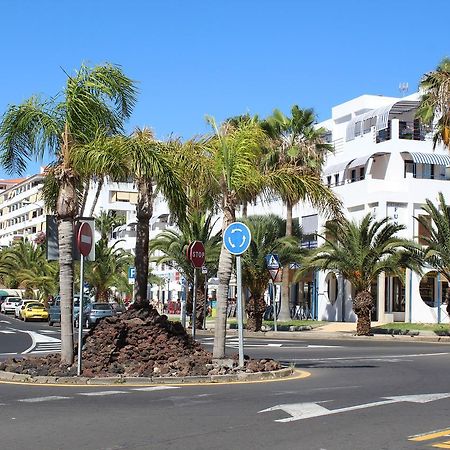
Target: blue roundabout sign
(236,238)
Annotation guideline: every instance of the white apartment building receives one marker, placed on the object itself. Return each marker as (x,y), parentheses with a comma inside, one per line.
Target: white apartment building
(384,163)
(23,216)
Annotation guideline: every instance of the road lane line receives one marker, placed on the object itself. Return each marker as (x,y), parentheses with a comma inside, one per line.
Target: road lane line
(445,444)
(431,435)
(43,399)
(103,393)
(155,388)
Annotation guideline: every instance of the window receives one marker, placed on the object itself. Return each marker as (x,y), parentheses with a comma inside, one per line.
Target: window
(336,179)
(329,181)
(424,228)
(361,173)
(353,176)
(410,167)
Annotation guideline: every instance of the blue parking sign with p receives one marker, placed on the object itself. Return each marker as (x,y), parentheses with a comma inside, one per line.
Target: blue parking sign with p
(131,273)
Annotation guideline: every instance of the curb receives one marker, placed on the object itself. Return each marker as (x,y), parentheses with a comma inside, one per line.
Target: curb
(154,381)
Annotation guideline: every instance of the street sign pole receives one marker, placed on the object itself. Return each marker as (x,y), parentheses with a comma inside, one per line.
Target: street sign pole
(274,303)
(205,306)
(183,303)
(85,239)
(80,315)
(194,303)
(236,239)
(239,311)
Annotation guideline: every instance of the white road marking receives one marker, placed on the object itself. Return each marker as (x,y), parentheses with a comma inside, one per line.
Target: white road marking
(103,393)
(324,346)
(39,340)
(372,358)
(5,321)
(155,388)
(300,411)
(7,332)
(43,399)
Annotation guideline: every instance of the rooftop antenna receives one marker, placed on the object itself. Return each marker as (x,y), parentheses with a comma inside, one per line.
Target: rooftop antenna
(403,88)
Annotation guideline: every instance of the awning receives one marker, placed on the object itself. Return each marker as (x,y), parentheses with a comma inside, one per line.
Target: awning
(430,158)
(362,160)
(336,168)
(379,117)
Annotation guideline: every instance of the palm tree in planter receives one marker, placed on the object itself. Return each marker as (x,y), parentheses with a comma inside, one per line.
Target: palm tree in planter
(268,236)
(434,107)
(436,252)
(296,145)
(94,100)
(172,246)
(361,251)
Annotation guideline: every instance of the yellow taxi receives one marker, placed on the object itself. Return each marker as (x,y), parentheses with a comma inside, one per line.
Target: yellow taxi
(34,310)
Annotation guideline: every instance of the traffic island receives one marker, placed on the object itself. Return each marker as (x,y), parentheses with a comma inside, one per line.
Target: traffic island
(140,343)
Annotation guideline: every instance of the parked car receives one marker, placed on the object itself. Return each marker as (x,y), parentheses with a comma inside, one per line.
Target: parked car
(54,312)
(9,304)
(20,306)
(34,310)
(94,312)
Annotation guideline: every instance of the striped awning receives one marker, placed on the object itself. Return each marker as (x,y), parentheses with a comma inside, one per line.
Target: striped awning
(430,158)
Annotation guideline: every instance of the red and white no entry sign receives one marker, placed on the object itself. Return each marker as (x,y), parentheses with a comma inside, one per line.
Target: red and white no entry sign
(85,239)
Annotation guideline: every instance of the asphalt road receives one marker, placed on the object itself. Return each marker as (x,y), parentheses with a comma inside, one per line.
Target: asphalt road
(360,394)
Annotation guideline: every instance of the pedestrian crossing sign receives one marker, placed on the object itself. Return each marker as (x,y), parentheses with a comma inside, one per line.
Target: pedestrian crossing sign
(272,261)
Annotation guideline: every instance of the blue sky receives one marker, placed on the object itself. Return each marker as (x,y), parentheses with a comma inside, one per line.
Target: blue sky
(222,58)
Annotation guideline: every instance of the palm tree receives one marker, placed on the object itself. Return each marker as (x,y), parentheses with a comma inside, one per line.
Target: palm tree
(434,107)
(295,144)
(436,252)
(106,222)
(268,236)
(109,269)
(360,251)
(230,166)
(94,100)
(151,164)
(173,244)
(31,269)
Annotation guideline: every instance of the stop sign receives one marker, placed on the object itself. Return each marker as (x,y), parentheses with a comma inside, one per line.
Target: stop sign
(196,254)
(84,239)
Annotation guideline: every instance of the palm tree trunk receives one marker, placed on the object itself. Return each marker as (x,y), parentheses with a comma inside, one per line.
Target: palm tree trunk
(255,312)
(84,199)
(362,305)
(224,275)
(285,314)
(97,195)
(144,211)
(65,236)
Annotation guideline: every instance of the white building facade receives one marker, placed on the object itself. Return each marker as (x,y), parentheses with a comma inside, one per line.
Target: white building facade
(385,164)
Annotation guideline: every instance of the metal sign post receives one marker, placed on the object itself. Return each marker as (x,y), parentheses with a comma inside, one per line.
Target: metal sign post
(273,266)
(84,243)
(236,239)
(196,255)
(194,303)
(80,316)
(205,306)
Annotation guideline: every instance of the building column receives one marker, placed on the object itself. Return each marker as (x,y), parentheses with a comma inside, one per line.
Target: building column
(381,297)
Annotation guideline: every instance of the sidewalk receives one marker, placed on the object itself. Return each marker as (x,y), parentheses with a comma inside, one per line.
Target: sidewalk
(334,331)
